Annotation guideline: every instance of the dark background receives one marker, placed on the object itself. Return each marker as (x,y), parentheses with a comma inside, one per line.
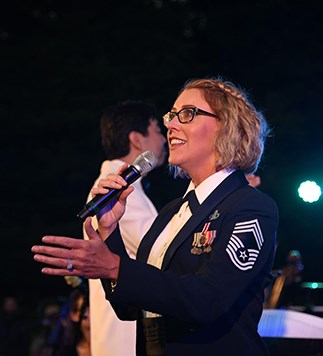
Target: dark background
(62,62)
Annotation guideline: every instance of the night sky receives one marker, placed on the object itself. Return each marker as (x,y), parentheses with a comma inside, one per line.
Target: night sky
(63,62)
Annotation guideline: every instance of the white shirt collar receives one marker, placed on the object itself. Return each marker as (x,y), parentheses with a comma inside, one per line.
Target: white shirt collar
(204,189)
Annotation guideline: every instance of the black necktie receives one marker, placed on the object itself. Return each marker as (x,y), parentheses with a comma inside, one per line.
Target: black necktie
(191,198)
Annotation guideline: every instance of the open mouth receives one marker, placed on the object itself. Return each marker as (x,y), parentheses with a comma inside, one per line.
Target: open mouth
(176,142)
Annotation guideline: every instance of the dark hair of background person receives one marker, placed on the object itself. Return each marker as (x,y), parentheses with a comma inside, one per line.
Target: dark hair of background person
(73,333)
(118,121)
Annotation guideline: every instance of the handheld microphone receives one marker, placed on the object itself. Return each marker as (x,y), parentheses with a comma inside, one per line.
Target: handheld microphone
(143,164)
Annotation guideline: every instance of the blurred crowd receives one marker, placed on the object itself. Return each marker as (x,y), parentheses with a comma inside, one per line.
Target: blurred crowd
(56,327)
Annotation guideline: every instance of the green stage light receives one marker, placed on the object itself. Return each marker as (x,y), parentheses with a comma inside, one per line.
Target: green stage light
(312,285)
(309,191)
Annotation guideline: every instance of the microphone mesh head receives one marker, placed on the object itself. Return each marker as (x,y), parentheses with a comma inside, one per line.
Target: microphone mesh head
(145,162)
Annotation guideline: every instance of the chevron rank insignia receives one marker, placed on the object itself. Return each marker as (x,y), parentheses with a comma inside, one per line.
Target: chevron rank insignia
(245,244)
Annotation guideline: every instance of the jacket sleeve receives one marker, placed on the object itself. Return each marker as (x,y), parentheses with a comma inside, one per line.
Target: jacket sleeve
(116,245)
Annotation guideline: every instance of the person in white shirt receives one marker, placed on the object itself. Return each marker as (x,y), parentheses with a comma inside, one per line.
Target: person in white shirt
(127,129)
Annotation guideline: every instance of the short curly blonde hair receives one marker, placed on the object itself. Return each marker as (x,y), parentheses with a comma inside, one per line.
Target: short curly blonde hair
(243,130)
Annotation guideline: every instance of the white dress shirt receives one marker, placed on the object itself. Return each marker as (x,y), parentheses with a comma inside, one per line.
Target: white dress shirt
(109,335)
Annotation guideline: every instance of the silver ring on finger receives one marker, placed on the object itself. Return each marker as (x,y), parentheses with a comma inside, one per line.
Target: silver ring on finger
(69,266)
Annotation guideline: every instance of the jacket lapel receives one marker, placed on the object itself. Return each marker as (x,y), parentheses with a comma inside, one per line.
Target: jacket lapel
(227,187)
(157,227)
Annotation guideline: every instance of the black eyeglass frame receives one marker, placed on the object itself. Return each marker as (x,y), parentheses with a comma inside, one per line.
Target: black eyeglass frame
(168,117)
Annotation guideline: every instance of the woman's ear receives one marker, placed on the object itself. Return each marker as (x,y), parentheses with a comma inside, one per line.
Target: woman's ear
(136,140)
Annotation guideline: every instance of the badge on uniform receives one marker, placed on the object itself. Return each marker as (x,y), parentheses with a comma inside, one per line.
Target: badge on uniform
(215,215)
(203,240)
(245,244)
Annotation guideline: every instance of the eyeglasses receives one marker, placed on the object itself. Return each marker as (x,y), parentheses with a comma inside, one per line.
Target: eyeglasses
(186,115)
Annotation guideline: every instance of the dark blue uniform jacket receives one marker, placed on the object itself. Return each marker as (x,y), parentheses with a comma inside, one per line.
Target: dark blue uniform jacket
(210,298)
